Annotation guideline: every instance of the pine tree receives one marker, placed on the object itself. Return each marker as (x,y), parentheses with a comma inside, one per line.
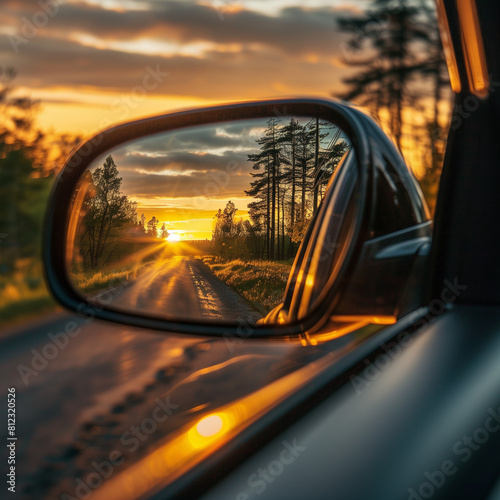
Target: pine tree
(392,59)
(266,186)
(289,138)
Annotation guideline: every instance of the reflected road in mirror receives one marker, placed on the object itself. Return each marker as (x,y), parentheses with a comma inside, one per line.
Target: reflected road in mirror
(183,286)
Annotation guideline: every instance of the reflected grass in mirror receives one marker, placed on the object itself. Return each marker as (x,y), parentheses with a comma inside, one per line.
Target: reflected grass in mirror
(201,223)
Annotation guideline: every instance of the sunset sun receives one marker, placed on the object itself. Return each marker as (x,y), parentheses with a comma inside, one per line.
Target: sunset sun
(173,237)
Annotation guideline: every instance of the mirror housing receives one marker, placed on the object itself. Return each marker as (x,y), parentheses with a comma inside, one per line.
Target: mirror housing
(344,289)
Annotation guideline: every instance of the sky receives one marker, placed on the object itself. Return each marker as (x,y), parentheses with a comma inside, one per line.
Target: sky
(94,63)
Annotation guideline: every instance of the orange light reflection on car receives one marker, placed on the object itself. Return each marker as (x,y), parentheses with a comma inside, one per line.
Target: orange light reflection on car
(340,326)
(76,216)
(472,43)
(193,443)
(209,429)
(449,51)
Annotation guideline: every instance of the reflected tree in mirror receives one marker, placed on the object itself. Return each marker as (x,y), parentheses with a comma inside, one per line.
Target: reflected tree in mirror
(109,217)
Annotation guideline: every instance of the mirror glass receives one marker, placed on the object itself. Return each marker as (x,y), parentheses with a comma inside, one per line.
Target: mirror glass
(201,223)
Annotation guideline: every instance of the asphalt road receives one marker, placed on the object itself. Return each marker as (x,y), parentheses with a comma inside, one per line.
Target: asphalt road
(76,395)
(181,287)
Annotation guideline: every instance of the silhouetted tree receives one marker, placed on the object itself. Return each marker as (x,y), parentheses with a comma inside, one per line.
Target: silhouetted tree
(108,214)
(24,186)
(164,232)
(291,170)
(397,48)
(153,227)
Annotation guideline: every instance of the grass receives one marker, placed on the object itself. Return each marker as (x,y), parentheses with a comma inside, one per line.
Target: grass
(262,283)
(91,281)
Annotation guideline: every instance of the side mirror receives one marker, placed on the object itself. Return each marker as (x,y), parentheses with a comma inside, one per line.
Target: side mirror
(190,222)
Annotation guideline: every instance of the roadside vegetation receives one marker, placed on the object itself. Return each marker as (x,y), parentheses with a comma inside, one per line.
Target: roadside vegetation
(260,282)
(91,281)
(23,294)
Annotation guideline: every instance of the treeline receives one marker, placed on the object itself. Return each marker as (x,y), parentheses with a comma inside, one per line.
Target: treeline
(401,76)
(290,174)
(28,161)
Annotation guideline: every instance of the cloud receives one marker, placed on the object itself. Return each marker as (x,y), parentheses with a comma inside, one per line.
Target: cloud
(104,56)
(189,185)
(182,162)
(248,55)
(183,22)
(249,74)
(221,147)
(235,135)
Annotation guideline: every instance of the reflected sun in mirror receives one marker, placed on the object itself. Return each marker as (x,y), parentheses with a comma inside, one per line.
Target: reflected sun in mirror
(173,237)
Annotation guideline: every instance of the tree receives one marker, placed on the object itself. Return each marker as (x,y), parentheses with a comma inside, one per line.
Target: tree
(153,227)
(305,157)
(329,159)
(24,198)
(393,55)
(108,215)
(16,113)
(24,186)
(291,171)
(164,232)
(402,67)
(225,224)
(289,138)
(268,176)
(228,236)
